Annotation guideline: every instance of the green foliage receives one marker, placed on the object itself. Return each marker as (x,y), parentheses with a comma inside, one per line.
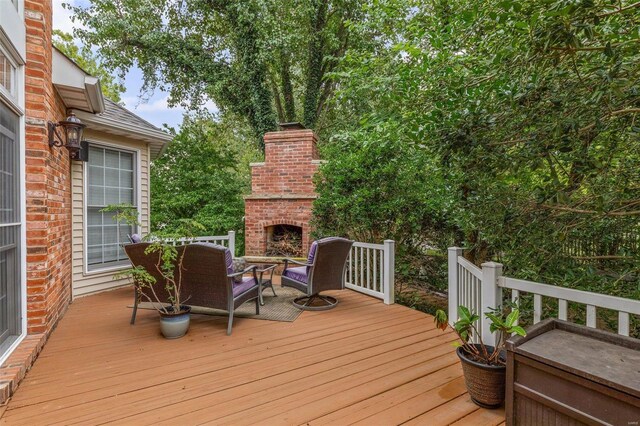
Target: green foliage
(202,176)
(503,322)
(263,61)
(111,86)
(513,128)
(125,212)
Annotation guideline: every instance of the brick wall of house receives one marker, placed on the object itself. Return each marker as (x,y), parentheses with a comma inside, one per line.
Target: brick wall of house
(48,181)
(282,190)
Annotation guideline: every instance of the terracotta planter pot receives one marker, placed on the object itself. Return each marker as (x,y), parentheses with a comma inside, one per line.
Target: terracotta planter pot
(485,383)
(175,324)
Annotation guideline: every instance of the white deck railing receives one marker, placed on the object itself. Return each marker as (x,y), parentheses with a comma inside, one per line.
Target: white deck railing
(371,269)
(228,240)
(481,288)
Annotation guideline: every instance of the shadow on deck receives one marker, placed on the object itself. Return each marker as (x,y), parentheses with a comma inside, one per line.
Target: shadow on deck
(360,362)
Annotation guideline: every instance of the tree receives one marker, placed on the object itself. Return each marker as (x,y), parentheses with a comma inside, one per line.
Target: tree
(111,86)
(202,176)
(263,61)
(527,113)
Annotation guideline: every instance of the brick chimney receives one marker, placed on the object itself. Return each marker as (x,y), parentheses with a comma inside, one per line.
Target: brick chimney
(282,189)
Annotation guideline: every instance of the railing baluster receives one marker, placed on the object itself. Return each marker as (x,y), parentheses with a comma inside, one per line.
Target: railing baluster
(591,316)
(623,323)
(376,285)
(515,298)
(562,309)
(368,270)
(361,267)
(350,267)
(537,308)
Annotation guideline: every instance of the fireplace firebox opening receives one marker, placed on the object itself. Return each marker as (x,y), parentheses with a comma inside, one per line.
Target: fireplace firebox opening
(284,240)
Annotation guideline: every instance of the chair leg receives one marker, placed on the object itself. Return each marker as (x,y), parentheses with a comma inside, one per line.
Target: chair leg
(274,291)
(230,323)
(136,299)
(258,303)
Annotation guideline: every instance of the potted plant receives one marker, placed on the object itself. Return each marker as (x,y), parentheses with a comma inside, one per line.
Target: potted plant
(483,366)
(175,316)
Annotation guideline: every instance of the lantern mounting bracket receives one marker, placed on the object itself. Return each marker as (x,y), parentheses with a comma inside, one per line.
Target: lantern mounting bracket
(54,137)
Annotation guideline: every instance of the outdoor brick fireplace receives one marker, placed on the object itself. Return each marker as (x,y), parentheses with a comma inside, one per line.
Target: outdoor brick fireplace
(278,211)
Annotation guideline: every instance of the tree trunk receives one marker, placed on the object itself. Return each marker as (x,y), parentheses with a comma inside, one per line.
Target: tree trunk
(314,69)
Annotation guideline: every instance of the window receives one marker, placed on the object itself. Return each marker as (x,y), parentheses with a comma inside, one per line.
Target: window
(10,227)
(7,74)
(111,180)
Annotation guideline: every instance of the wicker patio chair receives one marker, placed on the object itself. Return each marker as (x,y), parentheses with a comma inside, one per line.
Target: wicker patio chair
(324,270)
(207,278)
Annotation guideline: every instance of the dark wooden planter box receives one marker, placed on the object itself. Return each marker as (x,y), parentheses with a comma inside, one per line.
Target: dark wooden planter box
(567,374)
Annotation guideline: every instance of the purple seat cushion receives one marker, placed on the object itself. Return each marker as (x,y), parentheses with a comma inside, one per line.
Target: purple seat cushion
(135,238)
(246,284)
(298,274)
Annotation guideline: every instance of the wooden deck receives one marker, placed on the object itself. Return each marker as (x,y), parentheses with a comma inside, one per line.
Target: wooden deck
(363,362)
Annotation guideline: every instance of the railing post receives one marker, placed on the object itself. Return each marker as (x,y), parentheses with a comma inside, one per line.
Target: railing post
(491,297)
(389,271)
(453,254)
(232,242)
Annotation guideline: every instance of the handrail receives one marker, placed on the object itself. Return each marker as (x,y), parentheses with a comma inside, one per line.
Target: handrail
(573,295)
(477,272)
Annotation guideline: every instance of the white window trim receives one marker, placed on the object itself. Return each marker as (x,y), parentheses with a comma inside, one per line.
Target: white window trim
(85,186)
(17,105)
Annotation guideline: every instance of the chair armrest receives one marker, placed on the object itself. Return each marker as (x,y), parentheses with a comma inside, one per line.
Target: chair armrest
(297,262)
(235,274)
(271,268)
(286,264)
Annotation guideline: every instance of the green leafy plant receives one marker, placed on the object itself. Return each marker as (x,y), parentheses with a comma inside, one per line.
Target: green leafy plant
(502,323)
(169,260)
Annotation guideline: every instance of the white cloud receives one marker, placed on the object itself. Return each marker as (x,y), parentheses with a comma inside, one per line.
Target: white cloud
(161,105)
(62,16)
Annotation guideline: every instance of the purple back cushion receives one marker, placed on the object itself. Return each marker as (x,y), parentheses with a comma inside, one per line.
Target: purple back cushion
(312,253)
(136,238)
(229,260)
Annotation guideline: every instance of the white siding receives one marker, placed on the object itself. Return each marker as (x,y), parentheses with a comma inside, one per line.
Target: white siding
(86,283)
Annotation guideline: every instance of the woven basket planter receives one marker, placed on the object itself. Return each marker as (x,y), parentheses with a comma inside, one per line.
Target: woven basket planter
(485,383)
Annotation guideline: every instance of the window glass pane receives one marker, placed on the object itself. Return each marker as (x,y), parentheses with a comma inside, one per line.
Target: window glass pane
(126,179)
(111,158)
(111,196)
(94,255)
(96,156)
(94,235)
(110,252)
(9,179)
(126,196)
(96,175)
(94,216)
(110,234)
(111,177)
(96,195)
(126,161)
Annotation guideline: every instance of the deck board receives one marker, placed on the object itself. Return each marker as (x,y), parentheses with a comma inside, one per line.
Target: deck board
(362,362)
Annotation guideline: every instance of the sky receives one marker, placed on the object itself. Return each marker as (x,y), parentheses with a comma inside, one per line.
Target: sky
(155,109)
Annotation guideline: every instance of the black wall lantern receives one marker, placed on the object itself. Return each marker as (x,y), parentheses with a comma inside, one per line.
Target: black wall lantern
(70,137)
